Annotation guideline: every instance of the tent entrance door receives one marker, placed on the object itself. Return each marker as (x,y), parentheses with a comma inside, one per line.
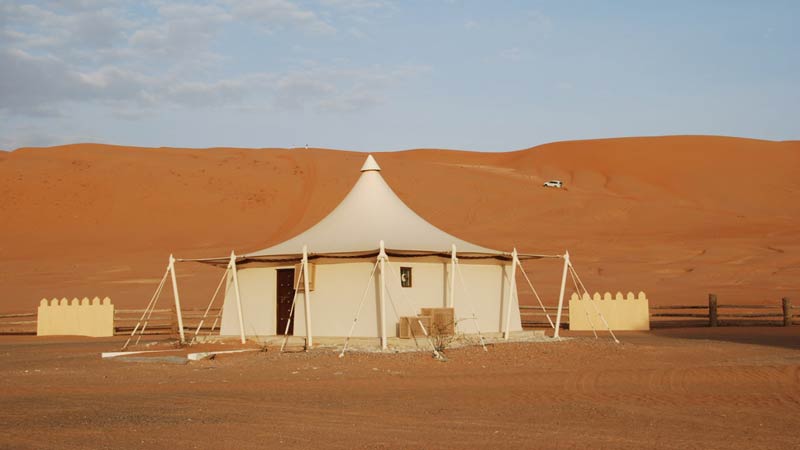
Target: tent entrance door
(285,296)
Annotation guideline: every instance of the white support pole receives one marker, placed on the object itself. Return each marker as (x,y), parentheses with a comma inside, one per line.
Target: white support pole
(512,289)
(307,299)
(561,295)
(235,274)
(177,298)
(381,296)
(451,301)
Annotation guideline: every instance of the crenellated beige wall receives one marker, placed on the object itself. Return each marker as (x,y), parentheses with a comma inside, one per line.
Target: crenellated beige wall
(622,313)
(77,317)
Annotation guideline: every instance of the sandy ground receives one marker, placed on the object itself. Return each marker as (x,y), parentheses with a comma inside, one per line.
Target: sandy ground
(726,388)
(677,217)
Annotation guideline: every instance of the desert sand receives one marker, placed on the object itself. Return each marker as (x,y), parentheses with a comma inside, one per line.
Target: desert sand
(724,388)
(677,217)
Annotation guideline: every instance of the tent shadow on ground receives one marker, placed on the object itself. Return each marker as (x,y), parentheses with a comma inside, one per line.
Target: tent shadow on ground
(773,336)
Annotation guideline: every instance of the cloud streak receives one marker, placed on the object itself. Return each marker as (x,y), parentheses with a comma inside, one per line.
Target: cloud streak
(134,64)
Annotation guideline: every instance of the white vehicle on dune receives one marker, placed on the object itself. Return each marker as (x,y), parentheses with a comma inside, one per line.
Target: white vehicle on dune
(554,183)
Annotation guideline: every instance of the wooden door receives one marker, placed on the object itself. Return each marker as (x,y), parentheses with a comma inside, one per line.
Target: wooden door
(285,296)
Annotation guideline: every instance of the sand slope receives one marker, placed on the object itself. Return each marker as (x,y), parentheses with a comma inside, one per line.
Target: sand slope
(676,216)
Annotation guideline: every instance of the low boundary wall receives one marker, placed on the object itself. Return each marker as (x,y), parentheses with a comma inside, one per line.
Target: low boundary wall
(622,313)
(82,317)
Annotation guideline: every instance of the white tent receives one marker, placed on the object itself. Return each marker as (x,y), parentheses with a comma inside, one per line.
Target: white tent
(343,249)
(368,263)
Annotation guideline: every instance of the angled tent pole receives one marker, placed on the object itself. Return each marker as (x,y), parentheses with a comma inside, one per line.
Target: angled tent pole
(561,295)
(596,310)
(536,294)
(291,312)
(581,295)
(512,288)
(381,297)
(360,305)
(471,305)
(208,308)
(149,307)
(436,352)
(235,276)
(177,299)
(307,299)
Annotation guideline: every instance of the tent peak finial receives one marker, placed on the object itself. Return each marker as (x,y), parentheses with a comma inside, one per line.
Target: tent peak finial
(370,164)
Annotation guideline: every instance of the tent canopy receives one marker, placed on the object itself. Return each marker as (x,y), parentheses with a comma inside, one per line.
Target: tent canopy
(372,212)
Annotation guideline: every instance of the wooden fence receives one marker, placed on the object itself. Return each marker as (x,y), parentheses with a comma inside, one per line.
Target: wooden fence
(534,317)
(161,321)
(165,321)
(18,324)
(713,314)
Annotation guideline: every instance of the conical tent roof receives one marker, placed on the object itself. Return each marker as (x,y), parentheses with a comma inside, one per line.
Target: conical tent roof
(371,212)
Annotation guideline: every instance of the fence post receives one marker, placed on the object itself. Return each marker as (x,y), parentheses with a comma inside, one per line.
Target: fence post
(712,310)
(787,311)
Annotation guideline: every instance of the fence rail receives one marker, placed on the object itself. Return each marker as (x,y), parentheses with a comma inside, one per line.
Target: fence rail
(11,324)
(712,314)
(534,317)
(160,321)
(164,321)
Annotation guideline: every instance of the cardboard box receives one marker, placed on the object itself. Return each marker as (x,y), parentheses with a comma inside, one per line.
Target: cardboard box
(444,320)
(409,324)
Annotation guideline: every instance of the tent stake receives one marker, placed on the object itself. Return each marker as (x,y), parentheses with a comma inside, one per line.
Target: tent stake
(177,298)
(235,275)
(512,288)
(561,295)
(307,299)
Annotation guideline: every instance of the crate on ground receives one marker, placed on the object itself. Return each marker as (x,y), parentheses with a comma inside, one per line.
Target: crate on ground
(444,320)
(410,326)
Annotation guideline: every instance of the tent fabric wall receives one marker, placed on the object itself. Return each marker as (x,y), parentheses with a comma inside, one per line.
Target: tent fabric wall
(339,288)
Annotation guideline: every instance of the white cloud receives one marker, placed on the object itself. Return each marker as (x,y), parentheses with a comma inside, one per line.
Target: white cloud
(131,62)
(37,86)
(274,15)
(356,4)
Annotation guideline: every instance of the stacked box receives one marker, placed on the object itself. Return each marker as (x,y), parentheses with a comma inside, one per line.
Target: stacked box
(409,324)
(444,320)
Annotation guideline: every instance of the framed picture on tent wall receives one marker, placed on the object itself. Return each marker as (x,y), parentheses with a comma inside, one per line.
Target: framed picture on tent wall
(405,277)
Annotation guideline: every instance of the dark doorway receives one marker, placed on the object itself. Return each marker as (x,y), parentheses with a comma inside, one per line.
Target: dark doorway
(285,296)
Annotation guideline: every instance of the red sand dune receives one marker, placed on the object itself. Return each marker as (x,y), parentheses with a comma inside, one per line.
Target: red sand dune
(677,217)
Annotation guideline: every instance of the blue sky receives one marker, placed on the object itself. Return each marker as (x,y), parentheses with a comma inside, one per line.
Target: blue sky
(377,75)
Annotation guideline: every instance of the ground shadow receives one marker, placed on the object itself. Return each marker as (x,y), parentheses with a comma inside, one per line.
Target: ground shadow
(773,336)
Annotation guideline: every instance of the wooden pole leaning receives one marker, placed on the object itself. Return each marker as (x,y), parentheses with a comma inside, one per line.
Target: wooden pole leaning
(561,294)
(307,299)
(382,296)
(177,299)
(235,276)
(512,289)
